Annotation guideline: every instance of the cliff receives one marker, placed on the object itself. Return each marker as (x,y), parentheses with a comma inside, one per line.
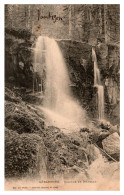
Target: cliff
(19,71)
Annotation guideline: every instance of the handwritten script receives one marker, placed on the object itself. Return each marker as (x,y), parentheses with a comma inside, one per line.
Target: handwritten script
(52,17)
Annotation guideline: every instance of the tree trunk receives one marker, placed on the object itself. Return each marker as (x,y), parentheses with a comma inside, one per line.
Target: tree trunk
(70,23)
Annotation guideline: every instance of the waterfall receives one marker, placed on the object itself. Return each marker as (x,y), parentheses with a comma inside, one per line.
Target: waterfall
(99,86)
(58,103)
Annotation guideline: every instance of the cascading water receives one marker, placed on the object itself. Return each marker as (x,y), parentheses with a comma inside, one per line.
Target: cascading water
(61,109)
(100,88)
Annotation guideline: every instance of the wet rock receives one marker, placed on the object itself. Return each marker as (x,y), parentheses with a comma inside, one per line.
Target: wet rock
(105,125)
(84,130)
(103,134)
(111,145)
(102,54)
(114,129)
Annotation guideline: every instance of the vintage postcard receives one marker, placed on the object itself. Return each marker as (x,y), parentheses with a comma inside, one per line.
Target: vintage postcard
(62,97)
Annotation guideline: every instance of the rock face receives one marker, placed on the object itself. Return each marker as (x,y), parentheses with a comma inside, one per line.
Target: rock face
(29,142)
(109,65)
(111,145)
(21,118)
(25,155)
(35,150)
(25,152)
(78,58)
(102,55)
(18,58)
(81,27)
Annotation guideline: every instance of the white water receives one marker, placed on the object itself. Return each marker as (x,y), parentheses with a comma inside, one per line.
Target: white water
(61,109)
(100,88)
(59,106)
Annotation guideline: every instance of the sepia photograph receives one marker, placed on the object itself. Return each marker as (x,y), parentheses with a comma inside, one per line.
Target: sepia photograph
(62,97)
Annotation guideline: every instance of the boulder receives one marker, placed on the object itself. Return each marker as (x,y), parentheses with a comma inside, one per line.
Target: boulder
(111,145)
(93,152)
(103,134)
(105,124)
(114,129)
(25,155)
(21,118)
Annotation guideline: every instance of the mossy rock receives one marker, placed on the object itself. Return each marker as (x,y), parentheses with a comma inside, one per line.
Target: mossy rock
(25,155)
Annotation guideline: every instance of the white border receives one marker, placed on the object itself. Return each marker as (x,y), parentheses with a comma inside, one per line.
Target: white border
(63,2)
(2,85)
(2,97)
